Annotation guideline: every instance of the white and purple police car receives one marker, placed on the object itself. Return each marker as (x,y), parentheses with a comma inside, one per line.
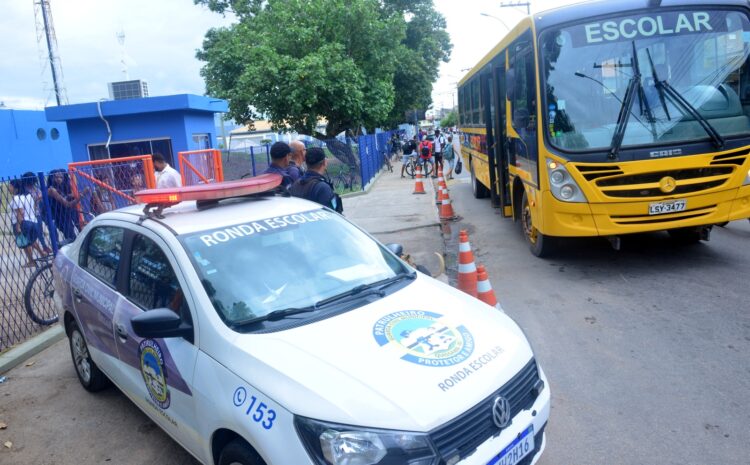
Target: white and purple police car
(258,329)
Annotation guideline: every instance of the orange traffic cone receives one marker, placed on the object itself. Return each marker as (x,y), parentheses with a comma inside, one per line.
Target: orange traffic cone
(485,293)
(418,186)
(440,196)
(467,270)
(446,208)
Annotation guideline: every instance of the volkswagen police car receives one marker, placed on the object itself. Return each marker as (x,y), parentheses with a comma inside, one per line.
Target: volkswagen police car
(260,329)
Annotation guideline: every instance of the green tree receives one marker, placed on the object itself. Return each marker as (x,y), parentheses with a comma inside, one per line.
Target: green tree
(353,62)
(296,61)
(451,119)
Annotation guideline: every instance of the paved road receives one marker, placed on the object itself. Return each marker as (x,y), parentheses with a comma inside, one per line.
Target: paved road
(647,349)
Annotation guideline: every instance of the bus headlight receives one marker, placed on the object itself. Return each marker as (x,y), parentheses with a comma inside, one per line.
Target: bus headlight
(562,184)
(747,178)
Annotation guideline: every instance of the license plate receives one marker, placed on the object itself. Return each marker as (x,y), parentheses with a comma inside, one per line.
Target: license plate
(660,208)
(516,450)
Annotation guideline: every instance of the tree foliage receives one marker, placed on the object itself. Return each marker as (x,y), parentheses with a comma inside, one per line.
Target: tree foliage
(353,62)
(451,119)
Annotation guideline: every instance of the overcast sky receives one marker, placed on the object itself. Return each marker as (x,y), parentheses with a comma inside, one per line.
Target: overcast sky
(161,38)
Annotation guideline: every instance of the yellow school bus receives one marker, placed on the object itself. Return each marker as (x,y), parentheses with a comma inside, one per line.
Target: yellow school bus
(614,117)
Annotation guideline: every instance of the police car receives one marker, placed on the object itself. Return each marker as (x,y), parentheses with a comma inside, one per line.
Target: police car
(259,329)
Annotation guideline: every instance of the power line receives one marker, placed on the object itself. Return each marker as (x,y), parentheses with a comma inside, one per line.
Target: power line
(515,4)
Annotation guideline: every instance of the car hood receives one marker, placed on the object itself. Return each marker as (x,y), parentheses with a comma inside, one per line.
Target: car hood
(411,360)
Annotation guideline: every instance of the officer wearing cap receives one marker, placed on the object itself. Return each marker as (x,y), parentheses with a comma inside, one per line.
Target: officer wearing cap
(313,185)
(279,162)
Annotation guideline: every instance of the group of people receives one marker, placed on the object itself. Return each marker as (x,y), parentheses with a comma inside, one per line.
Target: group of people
(309,182)
(439,152)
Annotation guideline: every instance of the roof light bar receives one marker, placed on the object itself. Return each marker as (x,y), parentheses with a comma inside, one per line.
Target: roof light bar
(215,191)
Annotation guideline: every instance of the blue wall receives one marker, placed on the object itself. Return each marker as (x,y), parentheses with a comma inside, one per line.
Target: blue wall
(20,148)
(176,117)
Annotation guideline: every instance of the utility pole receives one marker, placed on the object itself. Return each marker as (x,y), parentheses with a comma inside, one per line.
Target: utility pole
(45,31)
(517,3)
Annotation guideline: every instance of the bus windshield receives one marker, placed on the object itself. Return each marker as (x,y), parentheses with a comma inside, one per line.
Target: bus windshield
(675,76)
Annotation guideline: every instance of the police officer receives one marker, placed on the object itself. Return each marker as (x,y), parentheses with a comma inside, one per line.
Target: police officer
(279,162)
(313,185)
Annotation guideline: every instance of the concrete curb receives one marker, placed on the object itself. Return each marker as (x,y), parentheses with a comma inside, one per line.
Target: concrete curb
(367,188)
(28,349)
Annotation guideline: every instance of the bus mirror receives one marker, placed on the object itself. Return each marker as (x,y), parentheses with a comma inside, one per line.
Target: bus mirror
(510,84)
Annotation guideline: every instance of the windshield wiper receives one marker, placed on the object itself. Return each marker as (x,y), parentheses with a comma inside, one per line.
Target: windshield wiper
(662,86)
(365,289)
(362,290)
(634,85)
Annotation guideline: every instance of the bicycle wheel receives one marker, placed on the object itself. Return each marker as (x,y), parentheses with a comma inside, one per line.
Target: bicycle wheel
(410,168)
(37,297)
(427,168)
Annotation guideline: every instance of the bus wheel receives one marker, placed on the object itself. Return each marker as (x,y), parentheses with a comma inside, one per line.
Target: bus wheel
(539,244)
(477,188)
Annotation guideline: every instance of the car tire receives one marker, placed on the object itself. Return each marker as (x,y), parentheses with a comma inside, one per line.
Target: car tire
(90,376)
(477,188)
(238,452)
(539,244)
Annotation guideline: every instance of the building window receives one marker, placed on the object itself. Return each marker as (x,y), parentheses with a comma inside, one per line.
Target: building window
(202,141)
(133,148)
(54,134)
(41,134)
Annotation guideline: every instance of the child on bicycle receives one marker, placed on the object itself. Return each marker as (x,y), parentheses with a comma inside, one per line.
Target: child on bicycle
(425,153)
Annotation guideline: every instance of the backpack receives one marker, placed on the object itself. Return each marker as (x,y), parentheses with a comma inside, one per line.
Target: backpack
(305,189)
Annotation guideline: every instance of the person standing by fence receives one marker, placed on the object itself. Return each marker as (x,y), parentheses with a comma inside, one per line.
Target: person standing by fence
(166,176)
(297,158)
(279,162)
(30,184)
(313,185)
(23,220)
(63,203)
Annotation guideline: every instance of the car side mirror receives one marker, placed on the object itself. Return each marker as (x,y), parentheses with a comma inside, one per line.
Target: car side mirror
(160,323)
(397,249)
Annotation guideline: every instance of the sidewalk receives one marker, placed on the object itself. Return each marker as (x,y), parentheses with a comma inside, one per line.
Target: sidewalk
(391,213)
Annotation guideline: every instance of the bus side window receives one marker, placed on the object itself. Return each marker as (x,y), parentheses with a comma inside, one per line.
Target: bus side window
(522,96)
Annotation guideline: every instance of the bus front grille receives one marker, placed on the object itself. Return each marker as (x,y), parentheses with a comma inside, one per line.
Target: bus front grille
(643,185)
(669,218)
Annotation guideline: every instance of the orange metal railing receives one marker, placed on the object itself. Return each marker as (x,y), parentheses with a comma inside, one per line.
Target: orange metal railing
(200,167)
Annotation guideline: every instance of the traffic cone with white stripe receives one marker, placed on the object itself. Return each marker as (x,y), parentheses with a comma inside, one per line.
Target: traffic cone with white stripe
(446,208)
(440,196)
(485,293)
(467,270)
(419,186)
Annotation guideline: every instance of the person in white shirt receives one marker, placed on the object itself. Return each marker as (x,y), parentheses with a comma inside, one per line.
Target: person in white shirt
(23,219)
(166,176)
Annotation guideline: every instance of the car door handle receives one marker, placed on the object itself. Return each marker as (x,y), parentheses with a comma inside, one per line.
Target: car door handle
(77,294)
(121,331)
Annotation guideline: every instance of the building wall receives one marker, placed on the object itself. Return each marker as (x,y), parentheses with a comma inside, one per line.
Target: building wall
(20,148)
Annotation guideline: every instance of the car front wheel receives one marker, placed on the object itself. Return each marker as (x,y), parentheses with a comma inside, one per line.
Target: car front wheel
(238,452)
(90,376)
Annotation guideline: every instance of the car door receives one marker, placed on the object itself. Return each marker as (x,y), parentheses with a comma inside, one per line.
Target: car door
(93,286)
(157,373)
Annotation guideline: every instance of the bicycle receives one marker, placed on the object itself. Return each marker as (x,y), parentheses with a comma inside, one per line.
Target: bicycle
(414,160)
(344,180)
(40,289)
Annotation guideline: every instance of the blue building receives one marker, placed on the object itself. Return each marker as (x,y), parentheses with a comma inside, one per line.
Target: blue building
(139,126)
(28,142)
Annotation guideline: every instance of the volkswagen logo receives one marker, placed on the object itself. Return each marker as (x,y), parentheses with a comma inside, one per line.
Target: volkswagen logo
(501,412)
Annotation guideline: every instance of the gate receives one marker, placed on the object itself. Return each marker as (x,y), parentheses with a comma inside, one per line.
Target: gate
(200,167)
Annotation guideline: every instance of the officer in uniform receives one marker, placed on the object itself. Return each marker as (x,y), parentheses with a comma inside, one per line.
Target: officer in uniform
(313,185)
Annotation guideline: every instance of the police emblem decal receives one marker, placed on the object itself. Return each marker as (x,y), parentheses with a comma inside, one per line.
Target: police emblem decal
(424,337)
(154,372)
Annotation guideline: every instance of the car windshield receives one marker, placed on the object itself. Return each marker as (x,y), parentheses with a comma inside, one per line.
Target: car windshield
(254,268)
(701,55)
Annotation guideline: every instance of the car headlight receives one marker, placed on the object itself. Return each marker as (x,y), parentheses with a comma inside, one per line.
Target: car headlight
(562,184)
(333,444)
